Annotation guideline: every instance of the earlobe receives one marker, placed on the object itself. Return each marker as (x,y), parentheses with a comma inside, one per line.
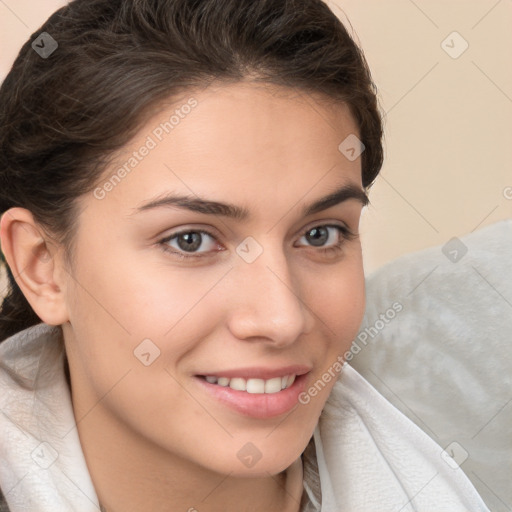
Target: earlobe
(32,259)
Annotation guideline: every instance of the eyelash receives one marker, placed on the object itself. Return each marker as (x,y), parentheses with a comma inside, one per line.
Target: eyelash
(346,235)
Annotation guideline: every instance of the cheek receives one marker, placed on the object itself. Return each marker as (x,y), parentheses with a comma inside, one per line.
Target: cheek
(125,340)
(127,302)
(336,296)
(137,296)
(338,303)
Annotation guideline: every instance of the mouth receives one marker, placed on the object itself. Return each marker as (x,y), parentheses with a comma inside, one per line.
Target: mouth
(253,386)
(254,396)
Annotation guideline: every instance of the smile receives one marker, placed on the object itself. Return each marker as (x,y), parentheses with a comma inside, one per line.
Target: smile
(251,385)
(254,396)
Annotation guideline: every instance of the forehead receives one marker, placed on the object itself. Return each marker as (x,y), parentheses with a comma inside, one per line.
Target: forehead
(241,119)
(236,140)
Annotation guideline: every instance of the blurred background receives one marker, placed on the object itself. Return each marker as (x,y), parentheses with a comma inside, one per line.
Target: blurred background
(445,83)
(445,86)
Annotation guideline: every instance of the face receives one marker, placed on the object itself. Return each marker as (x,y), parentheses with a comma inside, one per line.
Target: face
(174,310)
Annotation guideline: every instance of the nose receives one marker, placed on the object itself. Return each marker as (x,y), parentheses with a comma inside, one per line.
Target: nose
(268,301)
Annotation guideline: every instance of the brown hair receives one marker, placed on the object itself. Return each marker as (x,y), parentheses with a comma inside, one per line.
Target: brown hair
(64,115)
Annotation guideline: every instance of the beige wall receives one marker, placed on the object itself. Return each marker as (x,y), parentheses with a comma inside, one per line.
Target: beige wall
(448,123)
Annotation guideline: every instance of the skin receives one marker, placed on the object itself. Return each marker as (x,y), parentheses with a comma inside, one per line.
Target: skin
(150,434)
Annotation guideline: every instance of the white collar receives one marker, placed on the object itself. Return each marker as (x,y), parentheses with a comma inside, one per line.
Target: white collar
(366,454)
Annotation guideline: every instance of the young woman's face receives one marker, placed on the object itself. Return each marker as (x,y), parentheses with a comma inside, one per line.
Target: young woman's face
(162,295)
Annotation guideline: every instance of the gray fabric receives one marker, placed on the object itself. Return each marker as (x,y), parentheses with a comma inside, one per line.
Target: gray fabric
(445,358)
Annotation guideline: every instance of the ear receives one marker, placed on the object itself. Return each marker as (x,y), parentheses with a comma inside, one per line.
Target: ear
(32,258)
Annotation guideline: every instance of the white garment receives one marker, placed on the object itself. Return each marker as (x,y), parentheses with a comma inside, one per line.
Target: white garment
(367,456)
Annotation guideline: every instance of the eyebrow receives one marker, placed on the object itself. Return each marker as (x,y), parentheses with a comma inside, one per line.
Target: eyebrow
(195,204)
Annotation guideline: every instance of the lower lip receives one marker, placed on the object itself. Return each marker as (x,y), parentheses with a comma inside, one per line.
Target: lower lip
(257,405)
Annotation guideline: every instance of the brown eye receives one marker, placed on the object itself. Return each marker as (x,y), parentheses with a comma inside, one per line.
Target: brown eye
(317,236)
(189,242)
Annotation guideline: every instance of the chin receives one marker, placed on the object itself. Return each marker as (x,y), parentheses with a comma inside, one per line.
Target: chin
(261,458)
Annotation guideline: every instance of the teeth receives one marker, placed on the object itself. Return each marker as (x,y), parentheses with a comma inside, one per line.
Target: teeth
(273,385)
(254,385)
(238,384)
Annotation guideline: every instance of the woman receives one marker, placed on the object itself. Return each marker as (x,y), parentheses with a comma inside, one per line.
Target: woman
(182,183)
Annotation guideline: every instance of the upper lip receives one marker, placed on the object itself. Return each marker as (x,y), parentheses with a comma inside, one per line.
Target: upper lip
(259,372)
